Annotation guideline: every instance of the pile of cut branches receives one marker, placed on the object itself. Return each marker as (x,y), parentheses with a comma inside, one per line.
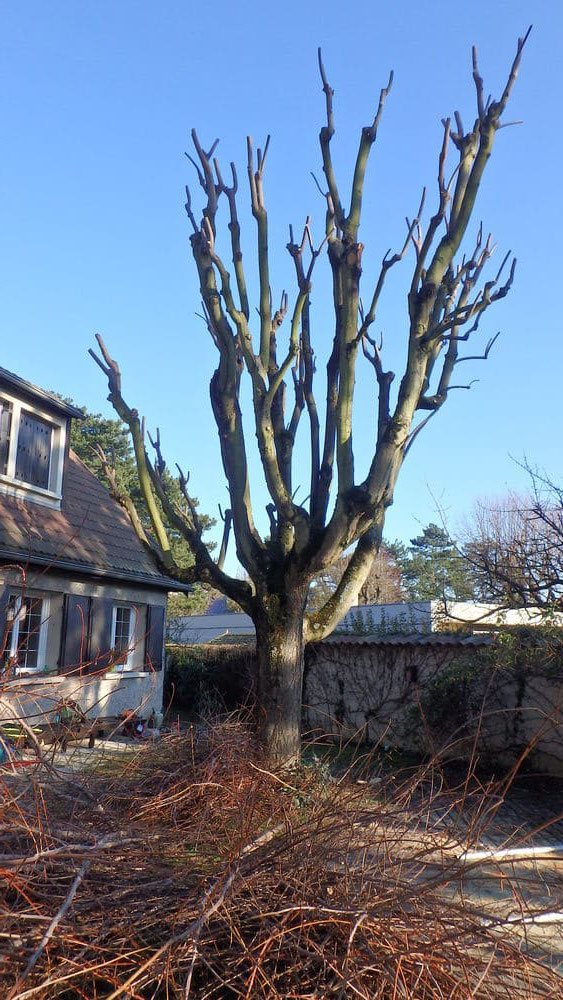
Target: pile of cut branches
(188,869)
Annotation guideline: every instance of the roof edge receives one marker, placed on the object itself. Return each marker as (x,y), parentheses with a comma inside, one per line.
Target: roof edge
(22,385)
(160,582)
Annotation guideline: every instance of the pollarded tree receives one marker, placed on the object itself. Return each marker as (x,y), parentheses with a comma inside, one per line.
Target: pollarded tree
(444,305)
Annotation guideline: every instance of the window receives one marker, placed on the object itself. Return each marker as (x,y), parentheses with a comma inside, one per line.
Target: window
(32,444)
(122,634)
(26,638)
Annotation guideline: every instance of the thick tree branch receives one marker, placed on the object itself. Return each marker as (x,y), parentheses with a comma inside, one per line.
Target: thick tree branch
(384,381)
(125,501)
(321,623)
(131,420)
(227,519)
(256,179)
(207,181)
(152,486)
(234,228)
(325,135)
(205,569)
(224,392)
(305,369)
(369,135)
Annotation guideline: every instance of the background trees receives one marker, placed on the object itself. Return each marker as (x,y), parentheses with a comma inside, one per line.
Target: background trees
(444,305)
(95,432)
(96,436)
(514,546)
(383,584)
(432,567)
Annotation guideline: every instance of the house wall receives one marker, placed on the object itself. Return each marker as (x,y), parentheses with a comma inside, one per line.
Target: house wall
(36,699)
(139,688)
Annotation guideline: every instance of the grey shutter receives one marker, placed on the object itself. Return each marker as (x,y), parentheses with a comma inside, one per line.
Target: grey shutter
(5,427)
(4,629)
(76,634)
(101,641)
(154,642)
(33,453)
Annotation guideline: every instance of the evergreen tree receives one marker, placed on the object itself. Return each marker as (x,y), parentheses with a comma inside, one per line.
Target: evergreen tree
(113,437)
(432,567)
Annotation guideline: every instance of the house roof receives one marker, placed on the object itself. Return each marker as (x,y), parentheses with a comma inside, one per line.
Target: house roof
(24,388)
(199,629)
(247,639)
(91,534)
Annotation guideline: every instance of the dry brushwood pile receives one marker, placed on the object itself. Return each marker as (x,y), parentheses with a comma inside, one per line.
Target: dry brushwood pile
(187,870)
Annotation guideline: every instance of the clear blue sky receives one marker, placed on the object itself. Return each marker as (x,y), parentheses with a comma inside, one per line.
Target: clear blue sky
(97,102)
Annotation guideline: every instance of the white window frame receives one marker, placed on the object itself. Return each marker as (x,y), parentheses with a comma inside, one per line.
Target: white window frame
(9,485)
(133,613)
(19,614)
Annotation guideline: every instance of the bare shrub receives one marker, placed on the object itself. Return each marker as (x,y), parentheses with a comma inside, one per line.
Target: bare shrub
(189,869)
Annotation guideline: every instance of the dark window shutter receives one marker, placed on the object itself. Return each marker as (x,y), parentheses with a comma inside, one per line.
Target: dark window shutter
(33,453)
(5,428)
(100,646)
(154,643)
(4,629)
(76,634)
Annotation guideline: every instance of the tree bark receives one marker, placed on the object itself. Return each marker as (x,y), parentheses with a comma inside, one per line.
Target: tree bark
(280,650)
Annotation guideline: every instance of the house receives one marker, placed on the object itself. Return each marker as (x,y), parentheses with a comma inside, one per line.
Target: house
(82,603)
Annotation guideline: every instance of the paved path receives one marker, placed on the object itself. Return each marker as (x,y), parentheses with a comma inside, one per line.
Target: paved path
(513,861)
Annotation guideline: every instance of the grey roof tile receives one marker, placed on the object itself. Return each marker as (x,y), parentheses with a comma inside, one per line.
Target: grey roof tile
(412,639)
(90,534)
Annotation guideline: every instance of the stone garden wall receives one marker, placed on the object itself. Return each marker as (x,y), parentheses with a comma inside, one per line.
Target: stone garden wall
(499,700)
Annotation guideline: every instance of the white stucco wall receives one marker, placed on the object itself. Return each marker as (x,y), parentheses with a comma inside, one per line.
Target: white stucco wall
(35,695)
(36,699)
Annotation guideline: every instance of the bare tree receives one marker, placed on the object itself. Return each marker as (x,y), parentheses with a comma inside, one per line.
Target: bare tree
(515,546)
(382,585)
(445,303)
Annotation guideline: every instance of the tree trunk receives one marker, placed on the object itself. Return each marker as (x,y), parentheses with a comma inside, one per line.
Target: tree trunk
(280,653)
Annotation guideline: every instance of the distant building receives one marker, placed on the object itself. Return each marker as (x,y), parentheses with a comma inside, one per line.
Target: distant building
(414,618)
(196,630)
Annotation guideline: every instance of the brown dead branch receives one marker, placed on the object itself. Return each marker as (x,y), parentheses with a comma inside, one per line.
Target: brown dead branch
(300,884)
